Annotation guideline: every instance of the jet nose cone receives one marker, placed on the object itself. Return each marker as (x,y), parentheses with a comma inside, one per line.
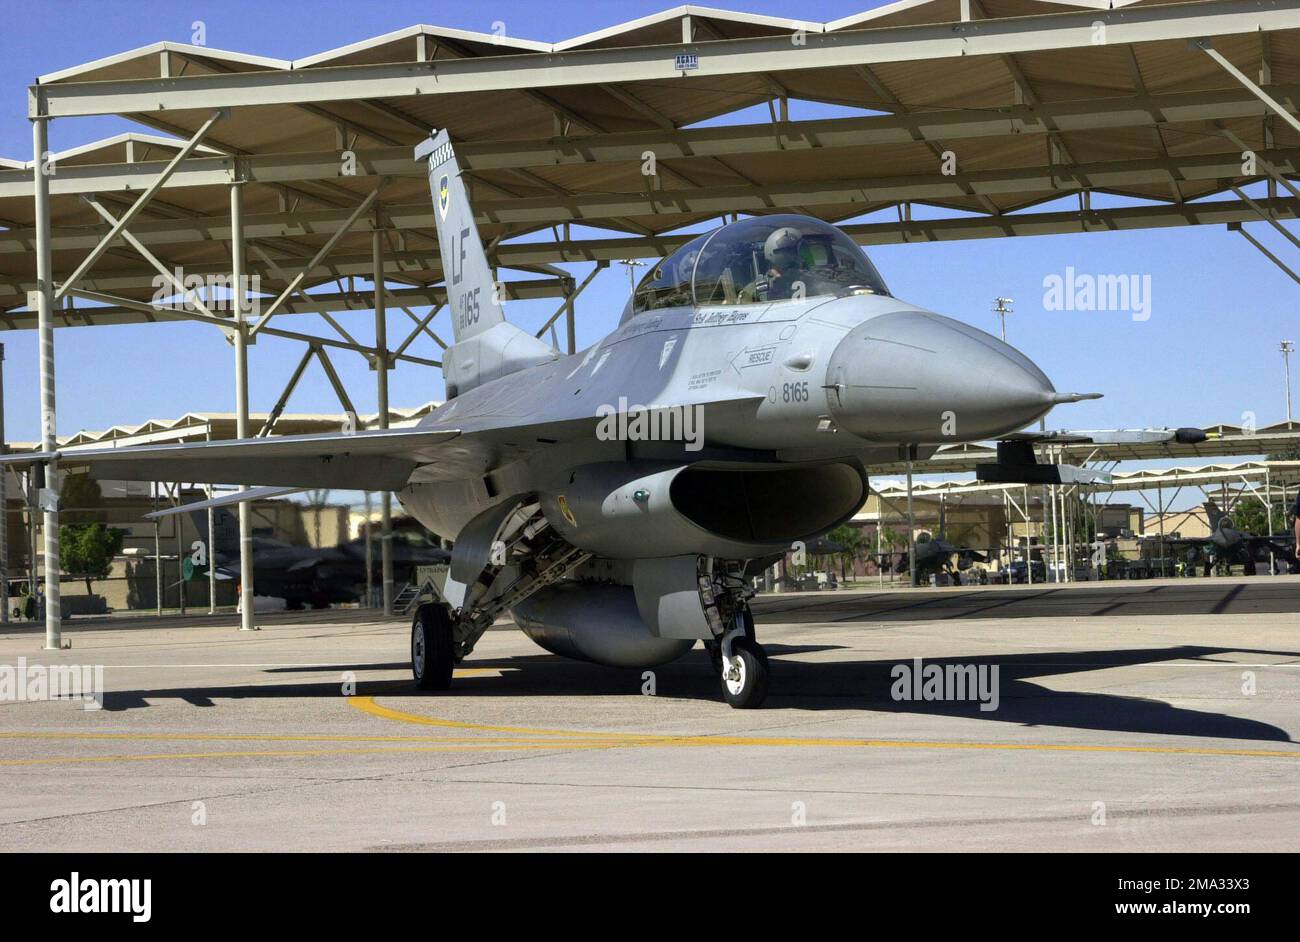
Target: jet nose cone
(913,376)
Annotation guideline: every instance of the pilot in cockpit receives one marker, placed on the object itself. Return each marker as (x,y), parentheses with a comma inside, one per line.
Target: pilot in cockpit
(785,267)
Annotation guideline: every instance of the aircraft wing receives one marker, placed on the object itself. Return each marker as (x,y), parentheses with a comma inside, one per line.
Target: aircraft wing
(1017,463)
(1278,545)
(487,434)
(374,459)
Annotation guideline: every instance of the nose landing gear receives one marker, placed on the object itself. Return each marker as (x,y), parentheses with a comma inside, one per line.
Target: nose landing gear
(741,663)
(744,675)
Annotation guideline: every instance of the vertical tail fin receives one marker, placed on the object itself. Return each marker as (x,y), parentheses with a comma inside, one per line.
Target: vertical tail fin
(486,346)
(225,540)
(1213,514)
(471,288)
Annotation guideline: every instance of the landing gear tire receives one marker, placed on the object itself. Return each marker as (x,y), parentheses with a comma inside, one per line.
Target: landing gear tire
(432,653)
(744,675)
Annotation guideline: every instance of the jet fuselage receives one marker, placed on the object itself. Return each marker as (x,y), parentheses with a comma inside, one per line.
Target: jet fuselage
(810,380)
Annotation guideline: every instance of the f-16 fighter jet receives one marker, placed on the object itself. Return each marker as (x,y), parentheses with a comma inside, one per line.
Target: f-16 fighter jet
(615,501)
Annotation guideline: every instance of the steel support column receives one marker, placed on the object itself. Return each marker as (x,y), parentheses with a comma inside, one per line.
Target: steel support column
(45,307)
(370,556)
(247,590)
(181,598)
(1029,542)
(29,499)
(381,368)
(157,554)
(1048,497)
(570,325)
(210,549)
(911,526)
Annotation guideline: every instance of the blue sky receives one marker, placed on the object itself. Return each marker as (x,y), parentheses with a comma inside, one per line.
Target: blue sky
(1208,352)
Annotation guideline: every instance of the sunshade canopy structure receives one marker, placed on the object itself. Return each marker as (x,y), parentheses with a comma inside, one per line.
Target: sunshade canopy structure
(298,177)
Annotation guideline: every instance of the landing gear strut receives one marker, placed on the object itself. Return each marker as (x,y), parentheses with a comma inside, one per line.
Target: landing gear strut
(443,636)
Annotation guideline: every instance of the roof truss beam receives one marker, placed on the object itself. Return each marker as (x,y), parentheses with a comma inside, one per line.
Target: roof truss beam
(595,207)
(228,327)
(1210,212)
(872,192)
(695,143)
(1217,212)
(837,48)
(15,294)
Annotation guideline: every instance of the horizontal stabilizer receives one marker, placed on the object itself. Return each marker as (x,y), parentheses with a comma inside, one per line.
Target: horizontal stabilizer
(1017,464)
(225,500)
(1073,474)
(1039,474)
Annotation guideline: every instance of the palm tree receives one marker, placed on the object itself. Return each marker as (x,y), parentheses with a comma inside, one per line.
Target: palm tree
(851,539)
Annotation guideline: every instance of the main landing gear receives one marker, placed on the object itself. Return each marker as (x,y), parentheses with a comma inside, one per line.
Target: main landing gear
(442,637)
(433,651)
(741,663)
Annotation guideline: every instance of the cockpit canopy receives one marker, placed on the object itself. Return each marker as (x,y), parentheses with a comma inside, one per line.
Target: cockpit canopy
(756,261)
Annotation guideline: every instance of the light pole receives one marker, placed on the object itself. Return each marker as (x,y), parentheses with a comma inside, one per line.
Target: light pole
(1287,346)
(1002,307)
(632,265)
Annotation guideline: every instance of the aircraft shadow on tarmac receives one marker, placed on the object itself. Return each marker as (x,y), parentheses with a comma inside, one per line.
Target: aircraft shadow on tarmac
(811,685)
(1111,600)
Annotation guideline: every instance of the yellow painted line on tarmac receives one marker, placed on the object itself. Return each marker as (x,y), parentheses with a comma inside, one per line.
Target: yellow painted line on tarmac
(517,738)
(368,705)
(561,737)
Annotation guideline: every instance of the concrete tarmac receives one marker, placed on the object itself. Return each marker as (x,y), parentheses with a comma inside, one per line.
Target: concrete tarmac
(1144,716)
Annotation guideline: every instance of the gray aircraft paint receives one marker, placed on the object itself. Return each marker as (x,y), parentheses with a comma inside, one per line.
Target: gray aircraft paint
(796,399)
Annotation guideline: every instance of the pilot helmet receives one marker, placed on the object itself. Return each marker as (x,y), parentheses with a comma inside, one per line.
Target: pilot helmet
(782,247)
